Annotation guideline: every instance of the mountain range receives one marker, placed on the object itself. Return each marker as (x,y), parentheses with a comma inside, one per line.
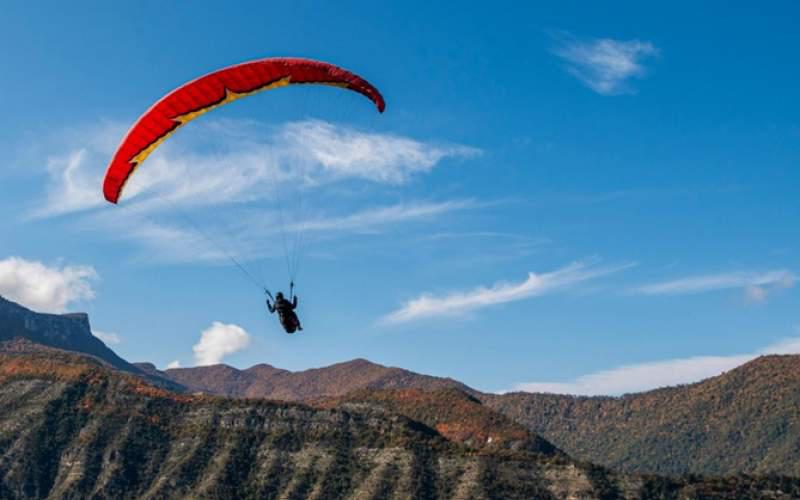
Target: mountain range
(79,421)
(265,381)
(743,421)
(746,420)
(72,427)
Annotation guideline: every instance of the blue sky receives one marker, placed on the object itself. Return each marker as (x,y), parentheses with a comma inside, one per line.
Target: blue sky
(565,197)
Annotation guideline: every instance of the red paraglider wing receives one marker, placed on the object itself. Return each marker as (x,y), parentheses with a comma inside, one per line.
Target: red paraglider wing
(213,90)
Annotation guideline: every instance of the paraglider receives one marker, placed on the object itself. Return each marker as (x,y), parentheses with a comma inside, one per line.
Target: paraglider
(286,315)
(197,97)
(213,90)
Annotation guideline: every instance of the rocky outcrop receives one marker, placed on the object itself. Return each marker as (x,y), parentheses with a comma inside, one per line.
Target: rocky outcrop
(24,330)
(63,331)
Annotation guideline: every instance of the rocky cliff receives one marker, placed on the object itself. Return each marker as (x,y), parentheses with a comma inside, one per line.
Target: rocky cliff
(70,332)
(63,331)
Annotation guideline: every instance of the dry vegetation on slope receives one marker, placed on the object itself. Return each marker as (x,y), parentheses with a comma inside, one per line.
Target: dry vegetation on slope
(744,421)
(456,415)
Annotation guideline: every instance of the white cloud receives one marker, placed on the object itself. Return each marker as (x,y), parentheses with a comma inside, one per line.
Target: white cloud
(239,167)
(379,216)
(651,375)
(252,235)
(789,345)
(603,64)
(757,285)
(108,338)
(165,240)
(459,303)
(45,288)
(240,161)
(76,189)
(173,365)
(448,235)
(218,341)
(377,157)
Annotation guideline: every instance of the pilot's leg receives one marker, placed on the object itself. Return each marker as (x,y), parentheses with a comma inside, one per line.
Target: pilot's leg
(297,323)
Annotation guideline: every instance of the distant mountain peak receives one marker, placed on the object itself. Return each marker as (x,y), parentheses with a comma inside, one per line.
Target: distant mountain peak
(360,362)
(267,381)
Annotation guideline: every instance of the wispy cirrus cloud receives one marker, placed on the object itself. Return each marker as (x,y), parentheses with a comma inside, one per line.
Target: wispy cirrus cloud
(381,216)
(384,158)
(603,64)
(460,303)
(168,241)
(46,288)
(76,189)
(241,161)
(244,166)
(450,235)
(757,285)
(253,236)
(652,375)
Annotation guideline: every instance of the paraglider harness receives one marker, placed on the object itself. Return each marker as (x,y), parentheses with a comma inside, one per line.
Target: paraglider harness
(285,308)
